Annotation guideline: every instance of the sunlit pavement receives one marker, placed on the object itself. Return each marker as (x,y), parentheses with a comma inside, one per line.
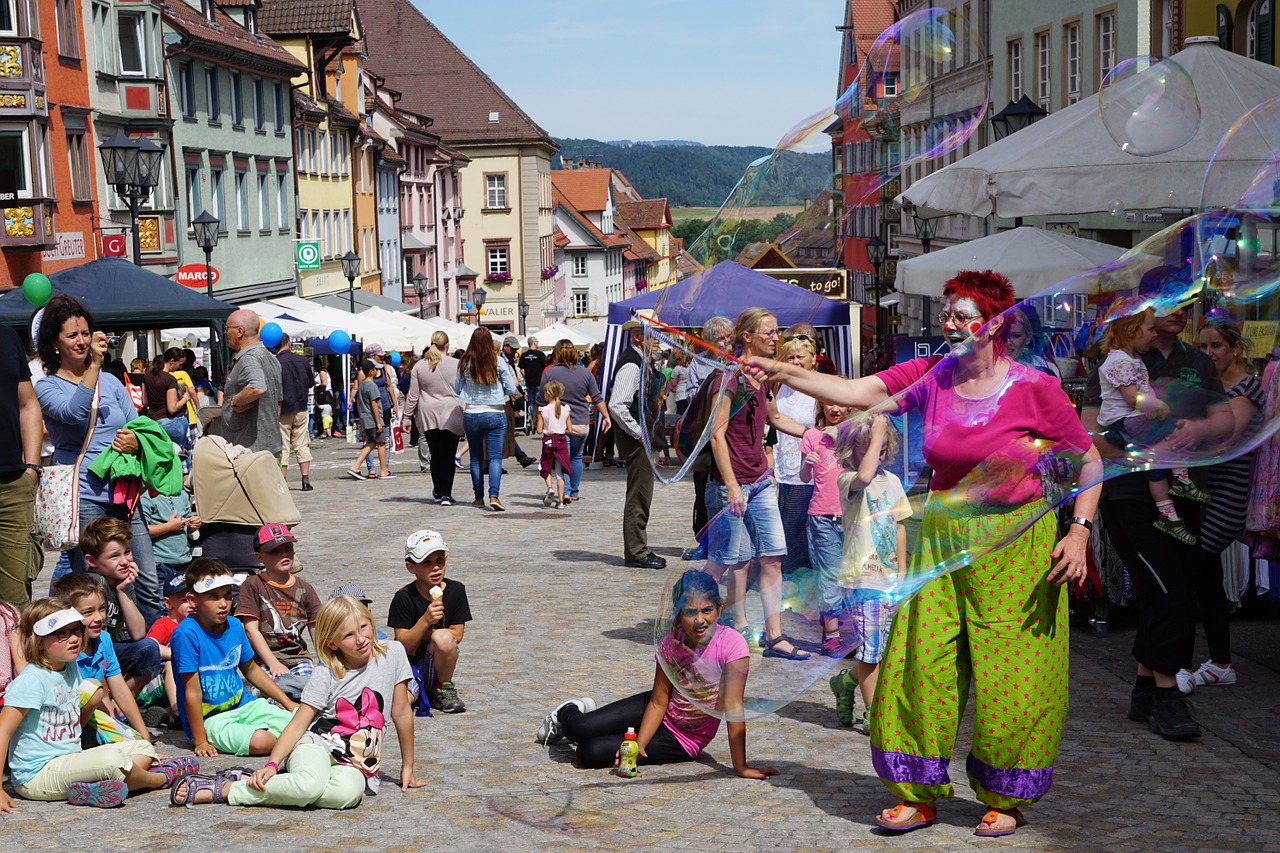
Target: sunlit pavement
(557,616)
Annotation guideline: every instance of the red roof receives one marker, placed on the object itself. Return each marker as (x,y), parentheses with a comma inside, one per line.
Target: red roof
(224,39)
(607,241)
(439,80)
(651,214)
(305,17)
(585,189)
(559,238)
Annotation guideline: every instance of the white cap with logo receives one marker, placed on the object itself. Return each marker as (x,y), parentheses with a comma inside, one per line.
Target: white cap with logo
(422,544)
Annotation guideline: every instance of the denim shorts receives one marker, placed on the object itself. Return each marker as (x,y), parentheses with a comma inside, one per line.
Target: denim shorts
(826,550)
(734,539)
(872,613)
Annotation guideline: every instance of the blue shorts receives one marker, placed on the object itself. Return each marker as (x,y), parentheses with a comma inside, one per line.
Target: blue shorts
(139,659)
(734,539)
(872,613)
(826,550)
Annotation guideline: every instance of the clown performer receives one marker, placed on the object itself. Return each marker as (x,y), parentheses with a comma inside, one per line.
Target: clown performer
(1002,618)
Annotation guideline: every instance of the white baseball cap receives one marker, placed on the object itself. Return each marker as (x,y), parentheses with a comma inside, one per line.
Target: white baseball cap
(56,622)
(210,584)
(423,544)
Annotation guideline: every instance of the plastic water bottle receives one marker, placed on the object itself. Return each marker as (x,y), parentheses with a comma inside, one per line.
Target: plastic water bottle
(628,755)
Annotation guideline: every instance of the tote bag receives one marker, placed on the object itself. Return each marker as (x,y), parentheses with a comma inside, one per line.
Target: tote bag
(57,523)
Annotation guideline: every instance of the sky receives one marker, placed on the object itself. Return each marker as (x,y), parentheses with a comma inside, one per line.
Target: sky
(724,72)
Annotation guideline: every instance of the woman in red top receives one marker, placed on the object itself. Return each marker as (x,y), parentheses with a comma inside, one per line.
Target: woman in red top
(1002,617)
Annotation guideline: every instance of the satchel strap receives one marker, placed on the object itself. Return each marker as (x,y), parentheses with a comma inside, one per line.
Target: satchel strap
(93,421)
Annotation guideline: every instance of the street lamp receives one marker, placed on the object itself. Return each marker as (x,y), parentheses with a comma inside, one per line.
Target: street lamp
(926,230)
(132,166)
(420,288)
(877,250)
(478,299)
(524,313)
(1017,115)
(206,226)
(350,269)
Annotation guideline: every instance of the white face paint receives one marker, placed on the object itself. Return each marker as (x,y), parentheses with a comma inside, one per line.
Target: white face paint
(964,322)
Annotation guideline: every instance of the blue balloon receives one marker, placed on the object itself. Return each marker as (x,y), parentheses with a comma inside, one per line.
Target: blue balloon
(470,306)
(271,334)
(395,359)
(339,341)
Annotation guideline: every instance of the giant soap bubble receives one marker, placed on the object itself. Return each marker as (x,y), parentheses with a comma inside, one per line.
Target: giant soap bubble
(1149,106)
(987,495)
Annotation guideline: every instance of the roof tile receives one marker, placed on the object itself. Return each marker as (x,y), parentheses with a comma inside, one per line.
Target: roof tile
(650,214)
(224,34)
(585,189)
(309,17)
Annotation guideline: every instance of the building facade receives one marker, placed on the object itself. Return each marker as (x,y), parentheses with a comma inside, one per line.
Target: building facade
(650,219)
(1247,27)
(593,250)
(230,93)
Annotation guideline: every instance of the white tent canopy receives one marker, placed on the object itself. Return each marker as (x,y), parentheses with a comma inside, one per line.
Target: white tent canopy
(1068,163)
(421,329)
(368,330)
(1032,258)
(580,337)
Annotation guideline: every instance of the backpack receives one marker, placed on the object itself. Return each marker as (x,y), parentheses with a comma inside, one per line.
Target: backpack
(693,423)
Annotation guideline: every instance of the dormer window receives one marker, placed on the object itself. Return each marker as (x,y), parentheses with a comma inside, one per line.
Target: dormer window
(251,20)
(207,8)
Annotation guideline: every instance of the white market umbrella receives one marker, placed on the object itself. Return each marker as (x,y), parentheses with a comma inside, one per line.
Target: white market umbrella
(578,336)
(1067,163)
(365,329)
(1032,258)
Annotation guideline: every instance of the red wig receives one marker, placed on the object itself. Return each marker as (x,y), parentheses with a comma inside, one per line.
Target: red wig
(990,291)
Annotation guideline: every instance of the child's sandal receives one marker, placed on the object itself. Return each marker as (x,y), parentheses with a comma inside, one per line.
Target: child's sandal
(990,827)
(107,794)
(894,821)
(175,768)
(194,784)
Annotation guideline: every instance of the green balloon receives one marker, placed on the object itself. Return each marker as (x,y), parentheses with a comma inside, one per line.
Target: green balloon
(37,288)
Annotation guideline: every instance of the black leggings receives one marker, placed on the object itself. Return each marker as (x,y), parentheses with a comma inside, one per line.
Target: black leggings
(443,445)
(599,733)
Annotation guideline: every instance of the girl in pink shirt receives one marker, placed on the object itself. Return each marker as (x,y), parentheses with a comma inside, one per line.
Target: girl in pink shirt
(818,465)
(708,664)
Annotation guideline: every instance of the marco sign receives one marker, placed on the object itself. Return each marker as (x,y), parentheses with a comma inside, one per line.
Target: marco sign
(192,275)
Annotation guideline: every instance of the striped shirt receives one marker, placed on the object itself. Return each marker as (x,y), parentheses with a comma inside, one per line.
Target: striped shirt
(1228,482)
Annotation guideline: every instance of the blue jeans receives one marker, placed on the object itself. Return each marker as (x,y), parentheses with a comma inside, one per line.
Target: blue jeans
(577,443)
(734,539)
(146,589)
(826,549)
(485,430)
(531,407)
(177,429)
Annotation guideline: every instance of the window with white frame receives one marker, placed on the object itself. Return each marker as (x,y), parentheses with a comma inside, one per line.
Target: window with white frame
(346,230)
(103,40)
(193,195)
(259,104)
(8,18)
(324,151)
(326,235)
(1015,70)
(215,196)
(186,89)
(277,93)
(311,150)
(212,93)
(334,148)
(579,265)
(300,148)
(581,303)
(242,201)
(1106,45)
(344,148)
(1071,42)
(237,100)
(132,38)
(67,15)
(890,84)
(264,201)
(78,159)
(498,259)
(1043,70)
(282,200)
(495,191)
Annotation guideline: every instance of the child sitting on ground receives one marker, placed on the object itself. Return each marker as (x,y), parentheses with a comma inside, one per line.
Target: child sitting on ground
(554,424)
(708,660)
(159,699)
(333,743)
(41,718)
(217,713)
(275,607)
(169,520)
(1132,414)
(874,509)
(429,617)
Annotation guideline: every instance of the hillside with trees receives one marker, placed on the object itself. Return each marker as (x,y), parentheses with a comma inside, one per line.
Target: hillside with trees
(702,175)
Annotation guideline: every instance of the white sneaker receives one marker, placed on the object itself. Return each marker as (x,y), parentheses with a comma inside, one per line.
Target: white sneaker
(549,730)
(549,499)
(1186,681)
(1210,674)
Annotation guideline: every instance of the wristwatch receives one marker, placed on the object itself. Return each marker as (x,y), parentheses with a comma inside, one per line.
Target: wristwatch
(37,468)
(1083,522)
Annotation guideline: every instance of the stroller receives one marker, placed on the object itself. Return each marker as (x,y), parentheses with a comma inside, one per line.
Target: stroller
(236,492)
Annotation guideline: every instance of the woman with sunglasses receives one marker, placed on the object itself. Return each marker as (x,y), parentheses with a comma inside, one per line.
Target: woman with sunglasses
(1002,618)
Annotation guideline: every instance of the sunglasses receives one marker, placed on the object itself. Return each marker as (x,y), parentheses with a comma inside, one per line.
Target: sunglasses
(789,338)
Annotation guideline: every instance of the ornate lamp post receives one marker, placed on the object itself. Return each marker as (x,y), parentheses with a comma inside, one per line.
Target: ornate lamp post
(478,299)
(1016,115)
(524,313)
(420,288)
(877,250)
(206,226)
(926,230)
(132,166)
(350,269)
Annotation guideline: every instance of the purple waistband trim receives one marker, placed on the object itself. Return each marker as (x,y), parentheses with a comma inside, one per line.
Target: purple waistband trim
(1021,782)
(901,767)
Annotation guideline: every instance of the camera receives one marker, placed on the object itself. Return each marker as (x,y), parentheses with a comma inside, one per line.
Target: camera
(113,341)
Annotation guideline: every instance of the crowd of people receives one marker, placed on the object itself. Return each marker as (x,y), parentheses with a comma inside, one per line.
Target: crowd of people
(136,633)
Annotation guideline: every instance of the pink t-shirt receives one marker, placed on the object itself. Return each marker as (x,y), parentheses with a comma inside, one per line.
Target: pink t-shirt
(697,672)
(826,491)
(988,447)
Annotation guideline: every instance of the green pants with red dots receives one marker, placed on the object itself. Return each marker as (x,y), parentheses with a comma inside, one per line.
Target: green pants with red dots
(996,620)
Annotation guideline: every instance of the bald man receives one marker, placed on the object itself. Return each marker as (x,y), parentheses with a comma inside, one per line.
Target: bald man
(251,400)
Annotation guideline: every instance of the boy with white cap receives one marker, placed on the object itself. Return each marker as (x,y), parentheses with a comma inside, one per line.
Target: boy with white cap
(429,617)
(209,646)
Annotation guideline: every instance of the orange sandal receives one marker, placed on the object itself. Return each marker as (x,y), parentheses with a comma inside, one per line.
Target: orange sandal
(924,816)
(990,826)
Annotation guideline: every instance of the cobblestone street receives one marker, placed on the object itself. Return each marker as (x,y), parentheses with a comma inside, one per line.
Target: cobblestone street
(558,616)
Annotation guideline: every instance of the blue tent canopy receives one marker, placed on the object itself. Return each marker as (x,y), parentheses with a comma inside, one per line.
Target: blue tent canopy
(728,288)
(122,296)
